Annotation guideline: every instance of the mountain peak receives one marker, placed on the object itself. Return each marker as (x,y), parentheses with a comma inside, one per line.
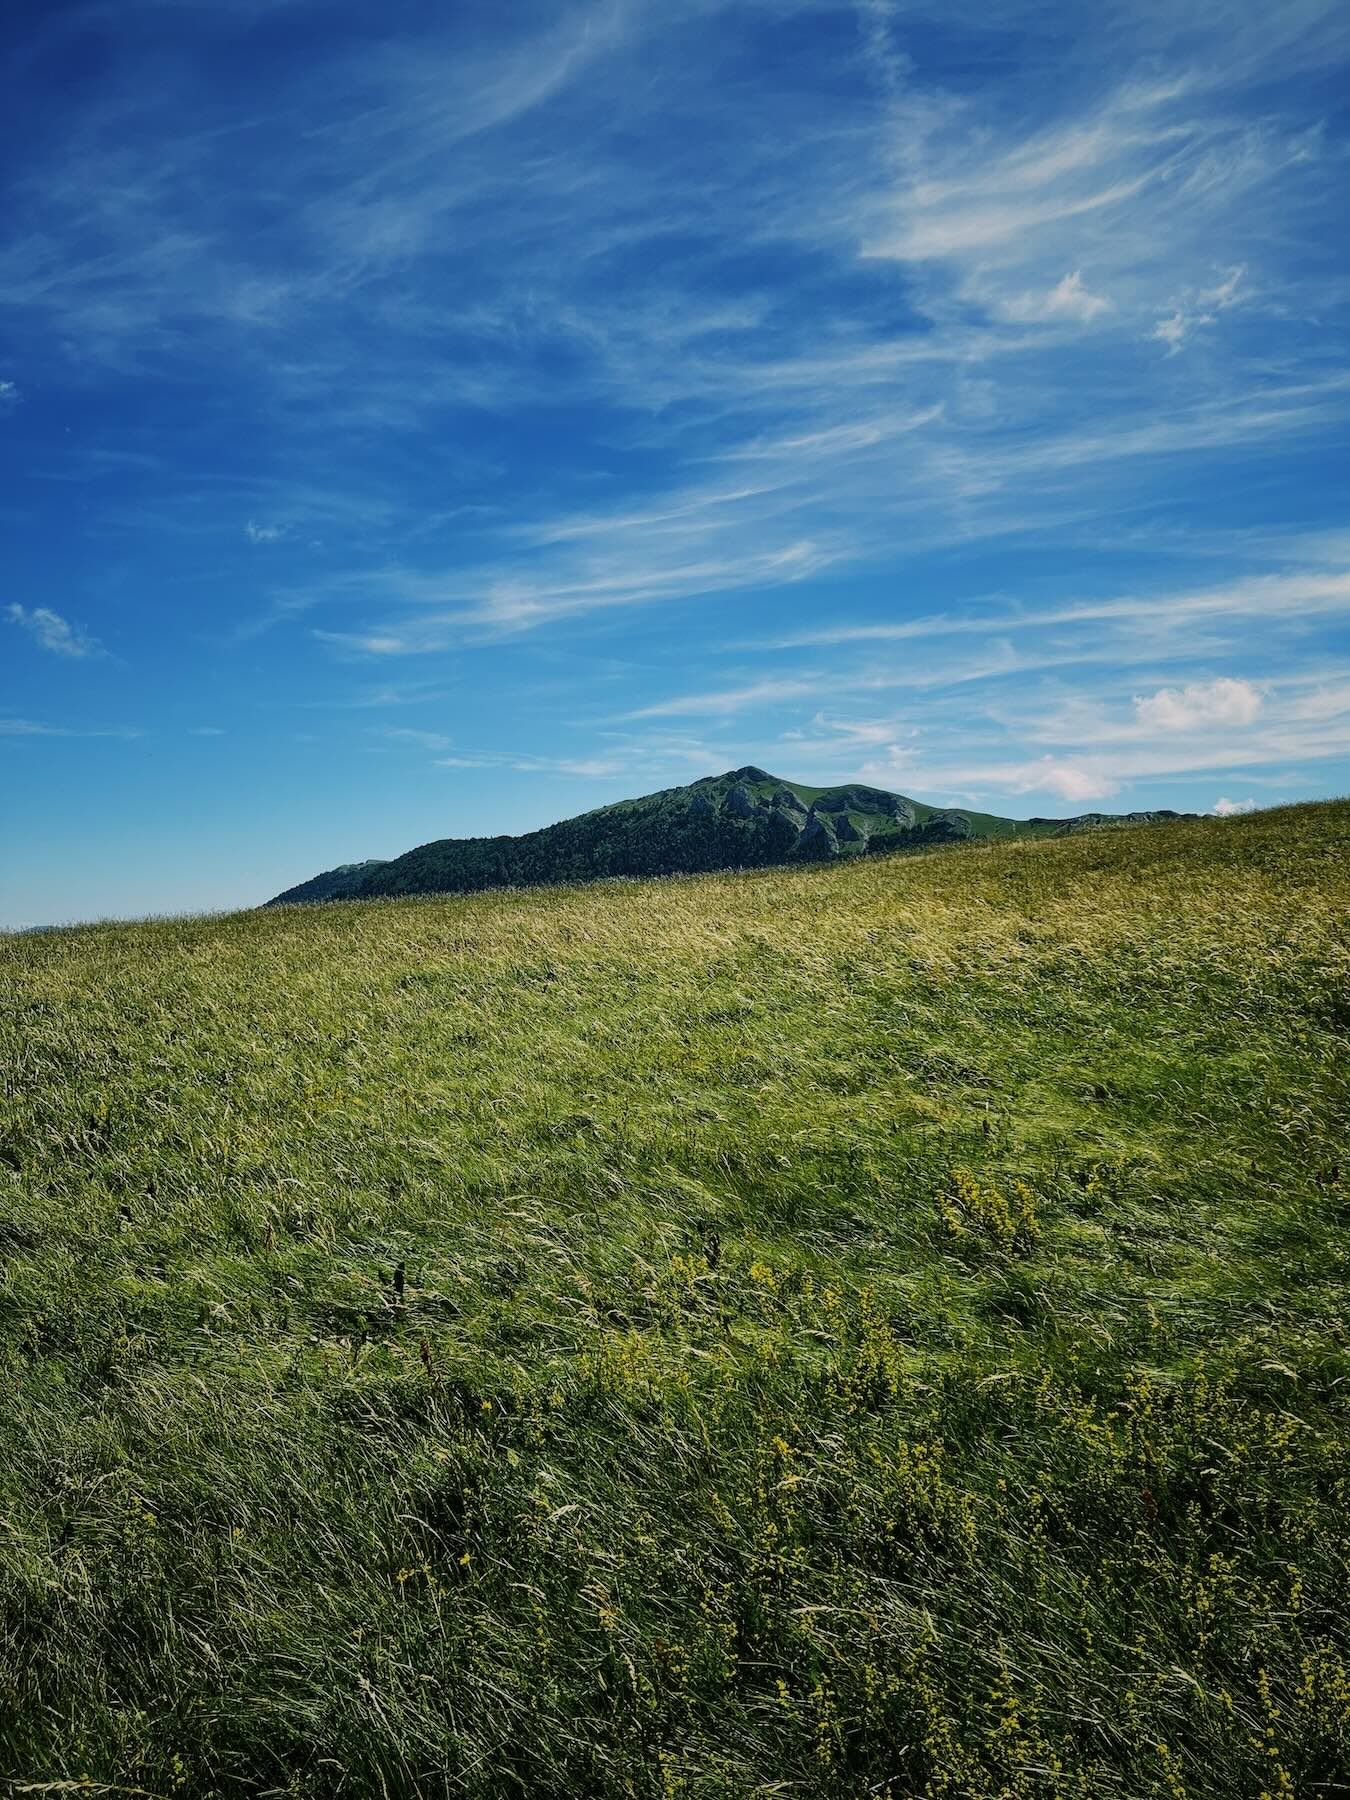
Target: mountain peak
(746,818)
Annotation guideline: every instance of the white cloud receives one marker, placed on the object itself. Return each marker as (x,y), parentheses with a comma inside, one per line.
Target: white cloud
(263,534)
(1075,780)
(28,728)
(1324,701)
(614,579)
(984,226)
(877,20)
(411,693)
(1226,292)
(1198,308)
(34,728)
(9,394)
(51,632)
(1101,752)
(1071,780)
(1200,705)
(1265,598)
(854,734)
(1228,809)
(586,768)
(728,700)
(369,643)
(1068,299)
(424,740)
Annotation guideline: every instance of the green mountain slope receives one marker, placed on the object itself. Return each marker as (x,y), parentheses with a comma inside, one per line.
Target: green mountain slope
(746,818)
(342,883)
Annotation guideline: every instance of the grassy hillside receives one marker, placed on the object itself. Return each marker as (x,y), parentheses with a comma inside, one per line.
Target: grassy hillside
(745,819)
(870,1329)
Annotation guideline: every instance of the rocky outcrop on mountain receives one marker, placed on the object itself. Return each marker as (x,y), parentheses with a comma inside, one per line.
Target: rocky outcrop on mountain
(1114,821)
(819,837)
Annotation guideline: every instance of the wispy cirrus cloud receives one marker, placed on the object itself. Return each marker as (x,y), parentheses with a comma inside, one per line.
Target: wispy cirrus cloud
(49,631)
(587,768)
(38,728)
(420,740)
(1197,309)
(729,701)
(360,644)
(1284,596)
(135,254)
(28,728)
(1068,299)
(424,692)
(1000,234)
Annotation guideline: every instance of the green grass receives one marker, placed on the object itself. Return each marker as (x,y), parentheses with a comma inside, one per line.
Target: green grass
(874,1329)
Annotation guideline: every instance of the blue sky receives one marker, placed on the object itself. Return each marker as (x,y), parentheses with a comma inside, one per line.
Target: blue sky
(423,421)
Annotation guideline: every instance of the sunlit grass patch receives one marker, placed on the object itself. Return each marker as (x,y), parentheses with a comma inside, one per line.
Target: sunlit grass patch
(857,1330)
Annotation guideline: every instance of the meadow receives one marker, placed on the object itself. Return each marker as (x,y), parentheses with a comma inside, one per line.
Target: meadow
(856,1330)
